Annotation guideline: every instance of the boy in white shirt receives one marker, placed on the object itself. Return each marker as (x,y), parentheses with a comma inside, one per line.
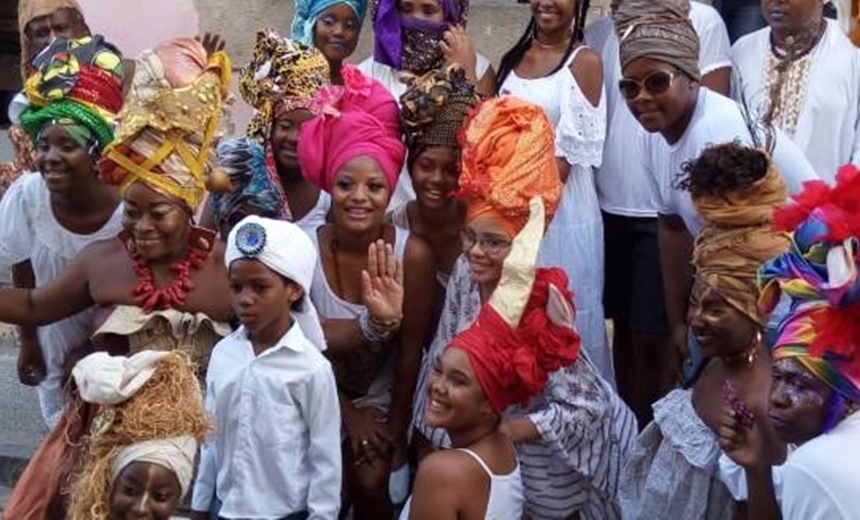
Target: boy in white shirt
(275,452)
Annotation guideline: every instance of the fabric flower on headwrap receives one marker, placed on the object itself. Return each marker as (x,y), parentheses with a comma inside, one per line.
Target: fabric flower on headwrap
(170,123)
(77,84)
(513,346)
(29,10)
(507,149)
(433,108)
(405,43)
(737,238)
(819,275)
(252,189)
(307,12)
(151,411)
(659,30)
(360,118)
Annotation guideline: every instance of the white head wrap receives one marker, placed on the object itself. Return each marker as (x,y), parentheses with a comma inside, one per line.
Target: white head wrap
(176,454)
(286,249)
(108,380)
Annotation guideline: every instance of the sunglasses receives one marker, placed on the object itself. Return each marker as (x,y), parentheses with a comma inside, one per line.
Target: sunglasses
(654,83)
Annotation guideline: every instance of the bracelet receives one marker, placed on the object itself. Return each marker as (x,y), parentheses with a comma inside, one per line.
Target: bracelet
(376,330)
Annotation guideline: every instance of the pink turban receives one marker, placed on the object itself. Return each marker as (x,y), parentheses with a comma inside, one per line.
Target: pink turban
(360,118)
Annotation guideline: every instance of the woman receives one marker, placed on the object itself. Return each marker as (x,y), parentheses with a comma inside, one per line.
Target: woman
(477,378)
(551,67)
(572,439)
(48,218)
(280,82)
(353,151)
(141,460)
(815,390)
(672,471)
(432,111)
(332,26)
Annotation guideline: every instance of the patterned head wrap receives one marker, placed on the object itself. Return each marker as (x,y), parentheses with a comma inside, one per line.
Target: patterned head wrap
(513,346)
(282,76)
(252,189)
(404,43)
(660,30)
(29,10)
(737,238)
(78,84)
(433,108)
(819,275)
(169,124)
(307,12)
(356,119)
(508,157)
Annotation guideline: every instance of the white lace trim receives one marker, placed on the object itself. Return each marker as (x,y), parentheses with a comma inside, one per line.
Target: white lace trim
(581,128)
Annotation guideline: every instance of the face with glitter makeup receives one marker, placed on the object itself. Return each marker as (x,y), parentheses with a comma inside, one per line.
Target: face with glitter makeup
(800,403)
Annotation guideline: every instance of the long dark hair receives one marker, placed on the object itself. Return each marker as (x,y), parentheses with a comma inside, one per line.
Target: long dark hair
(513,57)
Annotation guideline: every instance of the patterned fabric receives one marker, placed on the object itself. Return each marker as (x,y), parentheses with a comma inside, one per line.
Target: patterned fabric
(307,12)
(24,159)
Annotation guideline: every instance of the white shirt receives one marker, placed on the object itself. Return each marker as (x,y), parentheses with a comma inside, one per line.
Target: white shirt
(828,122)
(622,182)
(276,446)
(716,119)
(821,479)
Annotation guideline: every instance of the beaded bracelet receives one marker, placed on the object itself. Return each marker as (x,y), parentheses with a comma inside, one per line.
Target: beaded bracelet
(376,330)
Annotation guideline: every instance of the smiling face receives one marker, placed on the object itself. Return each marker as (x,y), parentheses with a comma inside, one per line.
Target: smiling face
(64,163)
(486,244)
(360,195)
(158,225)
(455,398)
(423,10)
(719,328)
(336,32)
(435,173)
(261,297)
(799,402)
(792,15)
(661,112)
(553,15)
(144,491)
(285,135)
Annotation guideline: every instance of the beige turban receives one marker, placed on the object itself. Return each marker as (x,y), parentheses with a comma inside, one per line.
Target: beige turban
(108,380)
(176,454)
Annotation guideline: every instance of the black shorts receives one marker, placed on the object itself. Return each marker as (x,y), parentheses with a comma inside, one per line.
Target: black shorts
(633,286)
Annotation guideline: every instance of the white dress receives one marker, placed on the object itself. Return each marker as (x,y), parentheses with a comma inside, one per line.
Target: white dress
(29,230)
(574,240)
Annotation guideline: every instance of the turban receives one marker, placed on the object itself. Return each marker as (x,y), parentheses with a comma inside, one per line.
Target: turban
(358,119)
(252,188)
(285,249)
(433,108)
(78,83)
(29,10)
(169,124)
(307,12)
(819,276)
(737,238)
(282,76)
(405,43)
(176,454)
(108,380)
(660,30)
(513,346)
(508,157)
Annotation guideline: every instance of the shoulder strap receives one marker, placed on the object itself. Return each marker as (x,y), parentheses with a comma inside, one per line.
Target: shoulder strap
(479,460)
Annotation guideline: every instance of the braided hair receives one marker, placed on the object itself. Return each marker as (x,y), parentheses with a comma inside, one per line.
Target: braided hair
(514,56)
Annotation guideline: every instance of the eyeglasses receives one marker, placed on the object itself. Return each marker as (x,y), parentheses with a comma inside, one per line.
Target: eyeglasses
(655,83)
(490,245)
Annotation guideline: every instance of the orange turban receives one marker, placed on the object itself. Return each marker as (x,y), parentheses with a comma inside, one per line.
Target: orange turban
(508,157)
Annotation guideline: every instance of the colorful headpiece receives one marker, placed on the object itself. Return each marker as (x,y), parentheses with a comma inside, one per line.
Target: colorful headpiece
(409,44)
(29,10)
(359,118)
(77,83)
(819,275)
(508,157)
(433,108)
(513,346)
(282,76)
(169,125)
(307,12)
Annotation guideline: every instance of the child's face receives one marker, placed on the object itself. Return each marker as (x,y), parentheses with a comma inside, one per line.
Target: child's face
(261,297)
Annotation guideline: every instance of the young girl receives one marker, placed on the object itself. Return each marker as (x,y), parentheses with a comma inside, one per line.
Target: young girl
(332,26)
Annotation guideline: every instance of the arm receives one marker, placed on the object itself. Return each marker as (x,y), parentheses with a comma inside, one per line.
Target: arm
(322,411)
(676,250)
(31,362)
(439,486)
(762,504)
(487,84)
(719,80)
(343,336)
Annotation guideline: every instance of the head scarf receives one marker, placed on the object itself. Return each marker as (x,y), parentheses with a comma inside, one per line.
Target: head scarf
(737,238)
(819,275)
(307,12)
(513,346)
(151,411)
(252,189)
(169,124)
(413,45)
(29,10)
(282,76)
(360,118)
(284,248)
(660,30)
(433,108)
(508,157)
(78,84)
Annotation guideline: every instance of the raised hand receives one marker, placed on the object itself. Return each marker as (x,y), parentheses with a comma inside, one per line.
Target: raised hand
(382,283)
(743,444)
(212,43)
(457,48)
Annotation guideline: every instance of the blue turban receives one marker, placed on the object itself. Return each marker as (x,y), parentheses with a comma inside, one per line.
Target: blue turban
(307,12)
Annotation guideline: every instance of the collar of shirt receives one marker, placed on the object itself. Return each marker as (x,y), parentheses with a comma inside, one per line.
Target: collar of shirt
(294,340)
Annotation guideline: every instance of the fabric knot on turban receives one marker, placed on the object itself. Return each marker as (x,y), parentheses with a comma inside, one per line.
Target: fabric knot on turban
(307,12)
(360,118)
(508,156)
(282,76)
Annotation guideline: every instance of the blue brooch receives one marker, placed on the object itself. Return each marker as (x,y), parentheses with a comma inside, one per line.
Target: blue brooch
(251,239)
